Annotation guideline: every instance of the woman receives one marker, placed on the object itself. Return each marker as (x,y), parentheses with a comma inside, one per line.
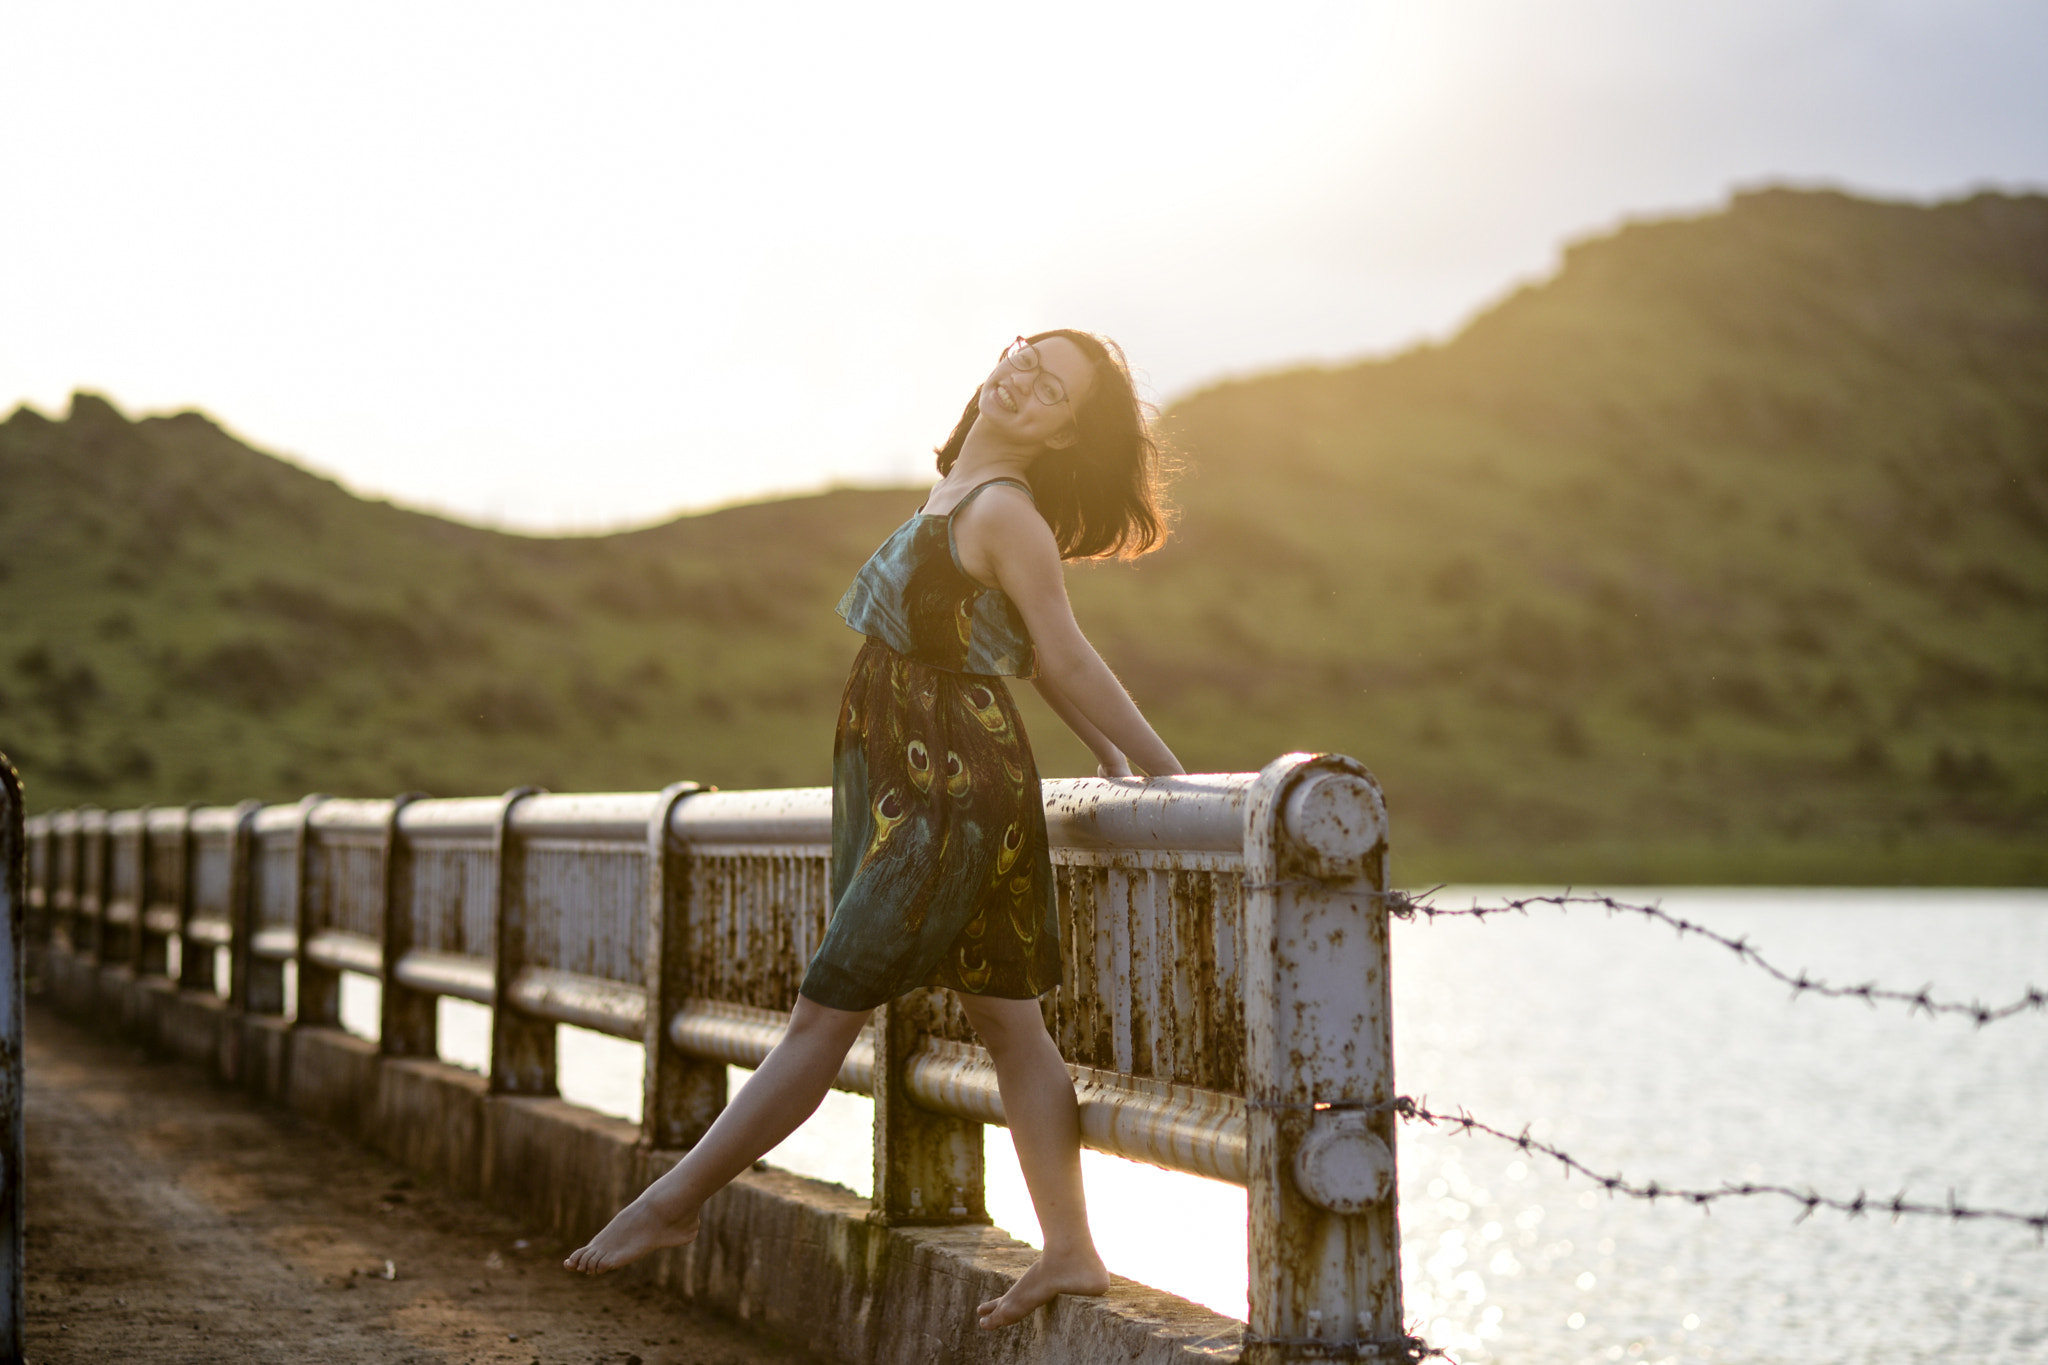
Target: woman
(940,869)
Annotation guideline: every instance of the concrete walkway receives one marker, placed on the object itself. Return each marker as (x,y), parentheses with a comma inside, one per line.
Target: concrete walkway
(170,1220)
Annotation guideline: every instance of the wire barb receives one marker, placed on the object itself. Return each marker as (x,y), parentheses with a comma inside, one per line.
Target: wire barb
(1802,982)
(1810,1200)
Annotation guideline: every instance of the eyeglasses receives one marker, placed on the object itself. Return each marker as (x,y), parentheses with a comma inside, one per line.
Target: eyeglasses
(1045,386)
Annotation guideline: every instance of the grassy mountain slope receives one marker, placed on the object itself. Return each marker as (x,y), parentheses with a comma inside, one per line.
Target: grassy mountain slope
(1722,555)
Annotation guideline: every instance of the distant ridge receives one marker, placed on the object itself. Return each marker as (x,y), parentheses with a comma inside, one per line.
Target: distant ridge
(1723,555)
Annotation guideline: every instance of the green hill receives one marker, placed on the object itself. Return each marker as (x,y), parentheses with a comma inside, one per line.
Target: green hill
(1721,556)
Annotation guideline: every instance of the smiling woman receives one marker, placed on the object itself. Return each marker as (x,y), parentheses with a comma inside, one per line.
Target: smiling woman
(941,867)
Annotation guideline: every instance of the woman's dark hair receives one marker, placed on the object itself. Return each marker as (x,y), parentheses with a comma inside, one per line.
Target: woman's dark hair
(1103,496)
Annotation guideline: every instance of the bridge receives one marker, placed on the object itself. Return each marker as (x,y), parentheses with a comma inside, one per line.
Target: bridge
(1224,1010)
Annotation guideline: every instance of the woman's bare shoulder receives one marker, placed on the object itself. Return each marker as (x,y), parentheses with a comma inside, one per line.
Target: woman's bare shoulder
(1000,531)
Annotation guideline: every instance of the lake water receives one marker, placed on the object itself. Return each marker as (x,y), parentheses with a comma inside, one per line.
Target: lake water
(1652,1057)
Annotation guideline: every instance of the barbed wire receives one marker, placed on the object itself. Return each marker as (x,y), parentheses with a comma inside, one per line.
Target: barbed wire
(1921,1001)
(1811,1201)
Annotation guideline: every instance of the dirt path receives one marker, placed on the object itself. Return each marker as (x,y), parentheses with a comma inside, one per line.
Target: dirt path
(171,1220)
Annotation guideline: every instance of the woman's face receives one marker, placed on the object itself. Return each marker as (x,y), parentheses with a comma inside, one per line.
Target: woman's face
(1014,397)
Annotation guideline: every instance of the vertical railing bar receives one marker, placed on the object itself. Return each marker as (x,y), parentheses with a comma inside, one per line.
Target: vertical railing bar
(522,1050)
(1115,911)
(1150,958)
(138,935)
(319,990)
(183,892)
(406,1020)
(680,1096)
(97,852)
(242,853)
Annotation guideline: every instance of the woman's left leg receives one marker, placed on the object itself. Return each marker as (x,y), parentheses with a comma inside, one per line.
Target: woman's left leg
(1045,1126)
(785,1091)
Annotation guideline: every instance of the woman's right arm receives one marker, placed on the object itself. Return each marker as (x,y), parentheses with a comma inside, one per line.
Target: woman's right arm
(1109,760)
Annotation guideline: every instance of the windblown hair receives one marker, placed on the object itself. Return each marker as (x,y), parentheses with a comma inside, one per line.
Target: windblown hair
(1104,495)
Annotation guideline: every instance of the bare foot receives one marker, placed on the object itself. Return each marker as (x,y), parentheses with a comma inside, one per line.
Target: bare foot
(634,1231)
(1072,1273)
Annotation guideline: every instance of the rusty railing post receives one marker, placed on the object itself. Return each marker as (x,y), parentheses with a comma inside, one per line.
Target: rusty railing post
(92,887)
(13,1150)
(259,981)
(522,1049)
(407,1024)
(61,895)
(680,1095)
(1325,1278)
(153,950)
(135,952)
(242,852)
(319,990)
(93,876)
(928,1167)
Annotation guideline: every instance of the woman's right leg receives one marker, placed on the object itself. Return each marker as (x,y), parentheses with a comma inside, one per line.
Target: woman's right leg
(785,1091)
(1045,1126)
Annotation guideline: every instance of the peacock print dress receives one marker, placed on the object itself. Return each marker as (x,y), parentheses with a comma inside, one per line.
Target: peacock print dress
(940,870)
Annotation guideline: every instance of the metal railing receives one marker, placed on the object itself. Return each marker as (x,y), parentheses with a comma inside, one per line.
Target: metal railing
(1224,1006)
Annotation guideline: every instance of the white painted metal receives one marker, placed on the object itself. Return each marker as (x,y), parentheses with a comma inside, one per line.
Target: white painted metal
(276,944)
(598,817)
(1324,1271)
(1199,811)
(742,1036)
(1342,1165)
(465,978)
(343,952)
(799,816)
(585,1001)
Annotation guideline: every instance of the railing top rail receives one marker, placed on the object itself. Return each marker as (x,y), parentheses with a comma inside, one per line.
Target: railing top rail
(786,815)
(350,814)
(1200,812)
(218,820)
(608,817)
(166,820)
(453,817)
(1204,812)
(282,819)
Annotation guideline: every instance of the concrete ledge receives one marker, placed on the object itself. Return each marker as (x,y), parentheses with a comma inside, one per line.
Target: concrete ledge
(794,1256)
(74,986)
(430,1119)
(153,998)
(567,1168)
(800,1259)
(332,1079)
(262,1062)
(191,1025)
(115,999)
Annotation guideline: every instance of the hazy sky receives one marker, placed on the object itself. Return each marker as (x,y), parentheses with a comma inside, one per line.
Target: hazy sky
(584,265)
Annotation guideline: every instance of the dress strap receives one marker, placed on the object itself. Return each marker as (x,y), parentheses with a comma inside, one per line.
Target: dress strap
(952,545)
(975,491)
